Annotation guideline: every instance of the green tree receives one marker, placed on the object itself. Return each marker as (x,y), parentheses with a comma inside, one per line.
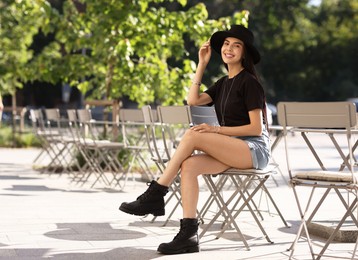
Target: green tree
(19,22)
(309,52)
(335,55)
(135,48)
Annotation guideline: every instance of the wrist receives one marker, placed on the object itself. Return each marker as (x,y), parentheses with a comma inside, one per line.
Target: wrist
(217,129)
(202,63)
(196,83)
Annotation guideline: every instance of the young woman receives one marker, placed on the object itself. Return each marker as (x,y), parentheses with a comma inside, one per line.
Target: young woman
(239,101)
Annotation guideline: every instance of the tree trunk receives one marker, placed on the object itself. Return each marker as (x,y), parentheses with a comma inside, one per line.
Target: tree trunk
(14,114)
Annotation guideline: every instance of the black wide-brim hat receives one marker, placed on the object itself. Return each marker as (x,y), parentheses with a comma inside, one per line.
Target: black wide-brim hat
(239,32)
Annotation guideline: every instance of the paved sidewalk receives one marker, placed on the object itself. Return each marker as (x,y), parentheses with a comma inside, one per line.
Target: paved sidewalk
(47,216)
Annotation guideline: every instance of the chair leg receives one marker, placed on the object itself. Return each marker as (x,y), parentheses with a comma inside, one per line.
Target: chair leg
(224,210)
(331,237)
(355,250)
(303,225)
(242,190)
(275,206)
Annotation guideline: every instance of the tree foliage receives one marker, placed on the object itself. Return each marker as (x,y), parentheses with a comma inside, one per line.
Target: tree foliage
(19,22)
(309,52)
(147,49)
(134,48)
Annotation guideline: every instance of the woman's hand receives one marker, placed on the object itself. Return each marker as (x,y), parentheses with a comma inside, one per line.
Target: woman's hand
(205,128)
(205,53)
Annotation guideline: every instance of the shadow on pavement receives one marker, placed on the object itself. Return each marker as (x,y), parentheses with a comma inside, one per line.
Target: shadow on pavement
(92,232)
(125,253)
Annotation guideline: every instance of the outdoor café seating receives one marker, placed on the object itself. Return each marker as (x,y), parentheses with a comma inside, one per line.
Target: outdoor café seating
(330,118)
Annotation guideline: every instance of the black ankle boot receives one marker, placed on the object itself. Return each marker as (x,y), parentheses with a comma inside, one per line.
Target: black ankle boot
(150,202)
(186,241)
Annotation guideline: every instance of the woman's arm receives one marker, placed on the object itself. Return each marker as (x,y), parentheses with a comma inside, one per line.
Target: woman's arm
(252,129)
(196,98)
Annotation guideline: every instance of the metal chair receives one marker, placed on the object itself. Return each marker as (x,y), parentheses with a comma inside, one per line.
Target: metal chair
(51,153)
(62,140)
(324,118)
(244,183)
(104,152)
(132,124)
(203,114)
(87,166)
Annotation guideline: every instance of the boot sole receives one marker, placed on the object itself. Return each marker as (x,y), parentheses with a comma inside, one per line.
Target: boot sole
(154,213)
(193,249)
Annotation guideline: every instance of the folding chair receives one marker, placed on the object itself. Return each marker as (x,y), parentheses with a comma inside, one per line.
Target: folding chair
(37,123)
(326,118)
(203,114)
(49,139)
(104,151)
(132,123)
(87,166)
(245,183)
(61,140)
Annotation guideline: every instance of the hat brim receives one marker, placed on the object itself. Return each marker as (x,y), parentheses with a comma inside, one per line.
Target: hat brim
(218,38)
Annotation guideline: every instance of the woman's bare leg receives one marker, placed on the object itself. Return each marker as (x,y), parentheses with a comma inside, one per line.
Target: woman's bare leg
(229,151)
(191,169)
(237,154)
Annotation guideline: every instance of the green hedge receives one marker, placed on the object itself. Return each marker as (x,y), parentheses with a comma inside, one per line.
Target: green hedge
(19,140)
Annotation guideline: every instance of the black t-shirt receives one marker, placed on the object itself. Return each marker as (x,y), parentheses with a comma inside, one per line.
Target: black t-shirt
(234,98)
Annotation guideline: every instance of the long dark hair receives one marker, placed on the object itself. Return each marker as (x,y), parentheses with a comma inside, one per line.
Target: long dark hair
(248,64)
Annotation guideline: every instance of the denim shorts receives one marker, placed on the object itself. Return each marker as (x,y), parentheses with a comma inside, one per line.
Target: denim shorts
(260,149)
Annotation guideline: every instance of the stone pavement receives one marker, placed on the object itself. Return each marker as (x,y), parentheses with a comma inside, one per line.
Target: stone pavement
(47,216)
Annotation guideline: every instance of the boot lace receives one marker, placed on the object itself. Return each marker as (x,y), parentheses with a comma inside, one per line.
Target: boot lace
(182,233)
(146,194)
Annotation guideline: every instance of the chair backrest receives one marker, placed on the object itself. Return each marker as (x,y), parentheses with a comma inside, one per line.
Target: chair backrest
(131,115)
(84,115)
(131,121)
(38,125)
(174,121)
(73,124)
(53,122)
(203,114)
(147,115)
(52,114)
(317,114)
(72,115)
(174,114)
(53,117)
(86,128)
(318,117)
(37,117)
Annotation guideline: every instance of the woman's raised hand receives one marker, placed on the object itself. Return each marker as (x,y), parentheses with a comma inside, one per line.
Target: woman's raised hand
(205,52)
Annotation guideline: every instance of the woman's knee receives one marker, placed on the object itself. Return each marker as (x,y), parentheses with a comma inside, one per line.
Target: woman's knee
(190,136)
